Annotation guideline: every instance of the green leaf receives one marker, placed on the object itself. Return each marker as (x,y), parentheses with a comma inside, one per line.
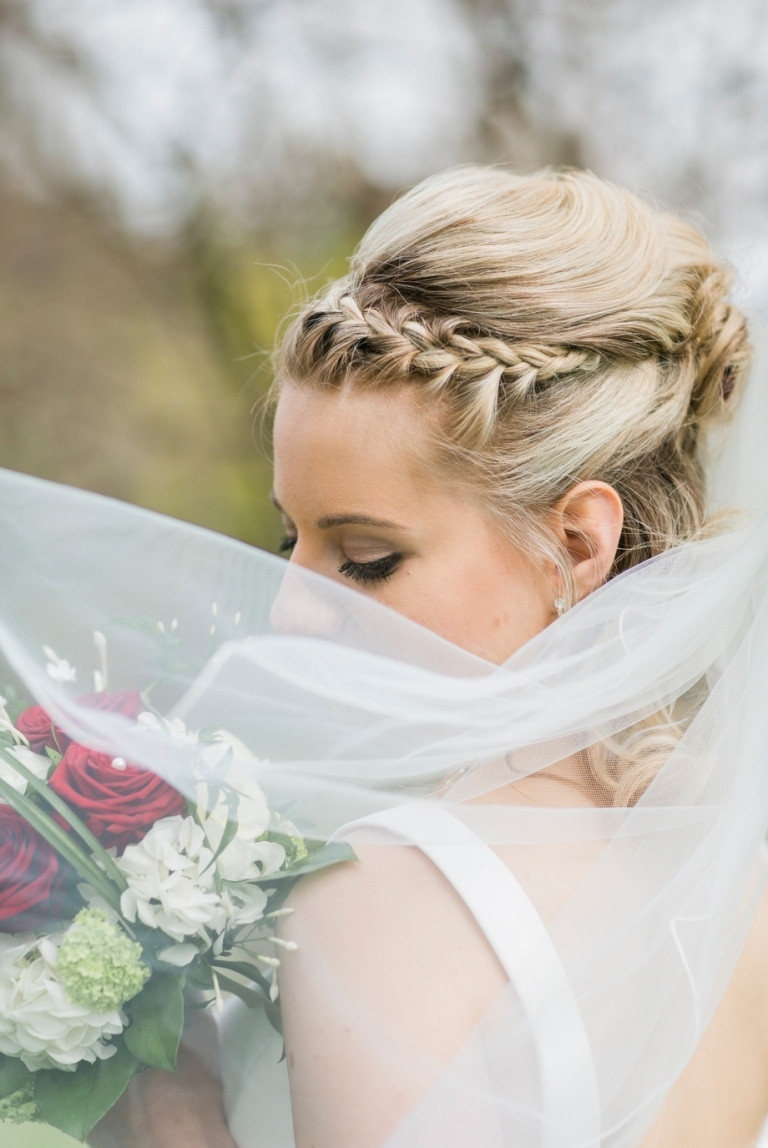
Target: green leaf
(243,970)
(43,790)
(230,830)
(157,1018)
(16,700)
(53,755)
(198,977)
(13,1075)
(61,841)
(275,1018)
(332,854)
(252,997)
(75,1101)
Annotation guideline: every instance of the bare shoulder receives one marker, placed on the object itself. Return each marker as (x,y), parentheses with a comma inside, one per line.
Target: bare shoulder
(751,976)
(390,977)
(722,1096)
(400,940)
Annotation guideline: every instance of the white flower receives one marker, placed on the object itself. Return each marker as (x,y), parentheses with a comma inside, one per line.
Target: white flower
(231,788)
(38,1022)
(222,747)
(171,881)
(244,903)
(100,676)
(180,736)
(58,668)
(244,859)
(179,955)
(237,797)
(7,726)
(36,763)
(234,797)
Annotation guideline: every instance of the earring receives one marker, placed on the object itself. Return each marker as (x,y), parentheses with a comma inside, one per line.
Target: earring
(560,606)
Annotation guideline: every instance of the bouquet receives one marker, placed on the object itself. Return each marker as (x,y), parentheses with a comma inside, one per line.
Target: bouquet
(124,902)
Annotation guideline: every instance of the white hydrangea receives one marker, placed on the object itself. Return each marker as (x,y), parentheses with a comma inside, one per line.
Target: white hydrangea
(37,763)
(38,1022)
(232,794)
(172,877)
(246,858)
(244,903)
(171,881)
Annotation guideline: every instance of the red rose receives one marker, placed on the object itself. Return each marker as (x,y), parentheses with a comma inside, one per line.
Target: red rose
(32,875)
(39,730)
(118,803)
(129,703)
(36,725)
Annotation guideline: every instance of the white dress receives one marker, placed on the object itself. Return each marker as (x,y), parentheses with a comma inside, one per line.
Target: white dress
(256,1096)
(255,1078)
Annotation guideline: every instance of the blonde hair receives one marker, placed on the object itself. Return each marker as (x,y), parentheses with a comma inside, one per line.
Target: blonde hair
(560,329)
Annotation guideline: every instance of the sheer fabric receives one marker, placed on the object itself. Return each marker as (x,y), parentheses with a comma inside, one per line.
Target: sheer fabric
(351,712)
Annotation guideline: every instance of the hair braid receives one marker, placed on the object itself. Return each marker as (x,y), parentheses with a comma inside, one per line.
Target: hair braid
(396,342)
(561,330)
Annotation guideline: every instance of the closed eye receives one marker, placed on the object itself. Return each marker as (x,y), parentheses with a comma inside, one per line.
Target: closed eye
(371,573)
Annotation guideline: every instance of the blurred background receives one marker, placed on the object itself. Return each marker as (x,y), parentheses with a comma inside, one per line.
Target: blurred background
(175,175)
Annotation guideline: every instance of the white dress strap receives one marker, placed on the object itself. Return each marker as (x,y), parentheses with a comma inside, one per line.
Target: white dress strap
(514,929)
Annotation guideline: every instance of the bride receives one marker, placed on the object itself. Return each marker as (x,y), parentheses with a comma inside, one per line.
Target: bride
(494,427)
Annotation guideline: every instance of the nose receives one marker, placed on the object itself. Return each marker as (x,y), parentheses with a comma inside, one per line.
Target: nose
(307,604)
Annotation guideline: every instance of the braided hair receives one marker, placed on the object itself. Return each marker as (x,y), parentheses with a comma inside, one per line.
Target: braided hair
(555,328)
(559,327)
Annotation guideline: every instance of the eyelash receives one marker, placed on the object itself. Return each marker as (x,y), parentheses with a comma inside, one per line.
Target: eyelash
(365,573)
(371,573)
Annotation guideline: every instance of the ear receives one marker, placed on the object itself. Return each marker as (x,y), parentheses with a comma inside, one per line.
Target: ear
(588,521)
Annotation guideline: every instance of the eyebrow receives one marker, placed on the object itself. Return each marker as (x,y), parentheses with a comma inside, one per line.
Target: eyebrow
(331,520)
(355,520)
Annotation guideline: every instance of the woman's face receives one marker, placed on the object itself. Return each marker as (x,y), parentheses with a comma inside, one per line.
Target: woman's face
(361,506)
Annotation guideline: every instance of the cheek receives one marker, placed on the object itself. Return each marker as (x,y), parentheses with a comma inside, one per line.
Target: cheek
(489,609)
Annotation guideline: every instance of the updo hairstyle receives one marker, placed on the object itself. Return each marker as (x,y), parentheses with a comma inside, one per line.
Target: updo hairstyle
(557,329)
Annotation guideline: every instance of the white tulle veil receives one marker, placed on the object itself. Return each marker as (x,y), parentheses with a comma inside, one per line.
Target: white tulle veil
(351,710)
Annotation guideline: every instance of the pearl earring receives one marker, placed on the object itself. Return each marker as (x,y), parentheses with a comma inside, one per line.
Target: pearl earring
(560,606)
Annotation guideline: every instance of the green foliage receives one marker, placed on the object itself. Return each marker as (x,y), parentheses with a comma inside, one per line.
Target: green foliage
(70,1101)
(58,838)
(20,1106)
(157,1018)
(13,1075)
(74,1101)
(331,854)
(16,697)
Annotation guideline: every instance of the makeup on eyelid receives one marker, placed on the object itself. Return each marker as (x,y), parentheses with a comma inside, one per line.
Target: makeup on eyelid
(364,511)
(362,563)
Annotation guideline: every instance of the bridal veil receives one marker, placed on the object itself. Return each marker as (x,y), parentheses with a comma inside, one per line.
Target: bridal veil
(349,711)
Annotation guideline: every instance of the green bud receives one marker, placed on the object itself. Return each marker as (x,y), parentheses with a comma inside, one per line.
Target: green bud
(20,1106)
(300,850)
(100,966)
